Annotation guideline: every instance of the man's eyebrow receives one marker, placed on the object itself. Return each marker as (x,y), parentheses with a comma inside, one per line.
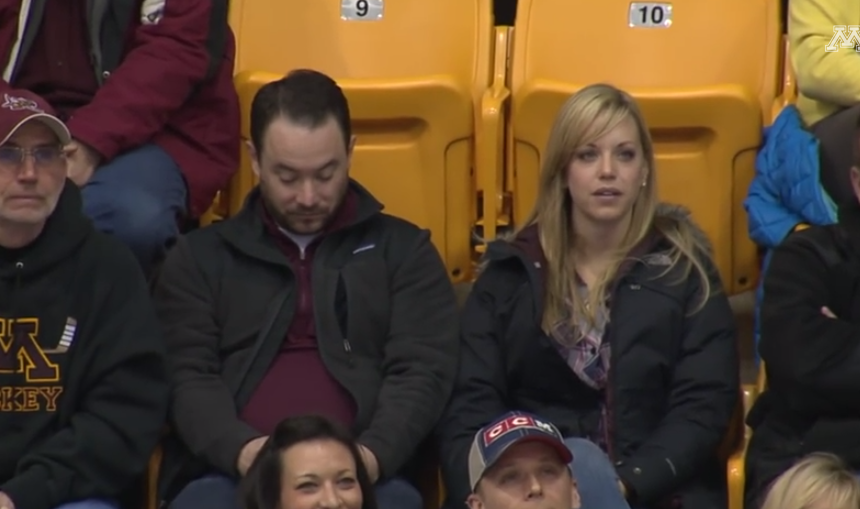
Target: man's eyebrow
(330,163)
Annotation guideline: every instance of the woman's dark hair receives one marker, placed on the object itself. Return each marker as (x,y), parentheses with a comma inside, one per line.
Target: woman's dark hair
(261,486)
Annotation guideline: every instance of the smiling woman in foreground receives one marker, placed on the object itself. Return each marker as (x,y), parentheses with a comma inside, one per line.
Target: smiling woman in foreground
(308,463)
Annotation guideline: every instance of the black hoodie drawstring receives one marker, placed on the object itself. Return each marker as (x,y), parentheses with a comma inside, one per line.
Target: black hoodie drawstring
(19,268)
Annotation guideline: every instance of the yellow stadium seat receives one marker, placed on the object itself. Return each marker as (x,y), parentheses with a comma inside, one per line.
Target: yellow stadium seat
(736,462)
(495,211)
(735,467)
(706,85)
(761,381)
(441,488)
(419,85)
(152,472)
(153,469)
(789,82)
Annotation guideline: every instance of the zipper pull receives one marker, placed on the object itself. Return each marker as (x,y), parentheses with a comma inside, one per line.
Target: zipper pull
(348,349)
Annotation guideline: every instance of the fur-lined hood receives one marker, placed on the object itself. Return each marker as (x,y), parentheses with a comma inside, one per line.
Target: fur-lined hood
(680,213)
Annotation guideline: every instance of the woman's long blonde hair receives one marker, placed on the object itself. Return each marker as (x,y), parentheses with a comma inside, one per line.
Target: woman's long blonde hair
(818,481)
(586,116)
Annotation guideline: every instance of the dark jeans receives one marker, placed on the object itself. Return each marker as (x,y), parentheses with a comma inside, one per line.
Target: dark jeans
(596,479)
(139,198)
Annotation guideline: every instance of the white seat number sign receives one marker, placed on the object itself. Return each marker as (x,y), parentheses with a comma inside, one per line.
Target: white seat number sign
(361,10)
(649,15)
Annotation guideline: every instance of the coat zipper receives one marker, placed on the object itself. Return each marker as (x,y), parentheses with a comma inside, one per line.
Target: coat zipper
(303,267)
(347,347)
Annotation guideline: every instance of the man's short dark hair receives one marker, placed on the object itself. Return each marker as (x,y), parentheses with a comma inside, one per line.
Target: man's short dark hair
(305,97)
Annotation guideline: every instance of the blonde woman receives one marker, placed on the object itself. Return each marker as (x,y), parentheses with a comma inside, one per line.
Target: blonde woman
(603,315)
(819,481)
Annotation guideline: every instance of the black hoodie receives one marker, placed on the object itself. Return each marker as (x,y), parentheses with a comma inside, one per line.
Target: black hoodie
(83,388)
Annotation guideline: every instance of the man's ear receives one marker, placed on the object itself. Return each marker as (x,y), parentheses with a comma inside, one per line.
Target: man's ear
(474,502)
(255,160)
(575,501)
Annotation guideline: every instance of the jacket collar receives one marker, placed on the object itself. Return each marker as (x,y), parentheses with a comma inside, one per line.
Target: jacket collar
(248,233)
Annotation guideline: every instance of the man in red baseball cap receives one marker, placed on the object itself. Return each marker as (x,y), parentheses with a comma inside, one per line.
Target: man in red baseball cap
(146,90)
(27,197)
(84,391)
(22,106)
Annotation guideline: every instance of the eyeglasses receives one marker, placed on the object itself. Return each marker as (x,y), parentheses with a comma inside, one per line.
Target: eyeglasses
(12,157)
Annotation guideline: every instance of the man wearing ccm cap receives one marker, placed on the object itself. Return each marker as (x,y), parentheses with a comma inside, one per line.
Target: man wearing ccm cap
(83,390)
(521,461)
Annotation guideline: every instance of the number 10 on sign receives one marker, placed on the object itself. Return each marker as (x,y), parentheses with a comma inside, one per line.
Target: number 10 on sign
(360,10)
(649,15)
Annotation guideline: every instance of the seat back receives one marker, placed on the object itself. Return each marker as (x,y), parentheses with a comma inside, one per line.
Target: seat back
(761,379)
(705,82)
(412,76)
(789,79)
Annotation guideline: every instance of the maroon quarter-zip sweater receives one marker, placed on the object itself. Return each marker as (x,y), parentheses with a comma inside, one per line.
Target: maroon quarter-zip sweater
(298,382)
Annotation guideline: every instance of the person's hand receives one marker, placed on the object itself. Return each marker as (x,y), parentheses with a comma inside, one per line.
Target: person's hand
(370,463)
(248,454)
(622,488)
(826,312)
(6,502)
(81,161)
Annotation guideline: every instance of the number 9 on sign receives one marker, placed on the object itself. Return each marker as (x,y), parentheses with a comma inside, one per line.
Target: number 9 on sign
(360,10)
(649,15)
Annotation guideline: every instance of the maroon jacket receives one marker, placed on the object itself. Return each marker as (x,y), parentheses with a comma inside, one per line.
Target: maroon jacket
(165,73)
